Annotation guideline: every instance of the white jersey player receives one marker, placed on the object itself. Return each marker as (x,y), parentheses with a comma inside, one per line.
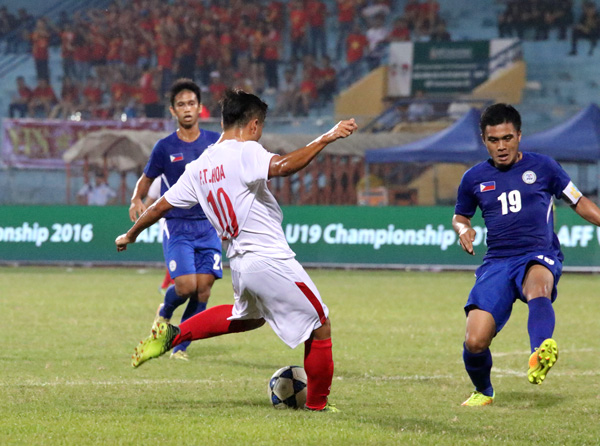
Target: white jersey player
(229,180)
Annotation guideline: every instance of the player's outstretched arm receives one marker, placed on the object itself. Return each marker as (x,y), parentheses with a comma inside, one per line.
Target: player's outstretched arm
(137,206)
(588,210)
(290,163)
(147,219)
(466,234)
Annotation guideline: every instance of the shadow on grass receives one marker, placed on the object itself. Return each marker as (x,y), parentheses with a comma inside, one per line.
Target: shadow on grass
(528,400)
(421,426)
(183,404)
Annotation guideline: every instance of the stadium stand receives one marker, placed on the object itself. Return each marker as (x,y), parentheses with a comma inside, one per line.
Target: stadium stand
(554,90)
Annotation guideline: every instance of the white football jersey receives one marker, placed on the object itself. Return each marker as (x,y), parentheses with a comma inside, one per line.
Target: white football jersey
(229,180)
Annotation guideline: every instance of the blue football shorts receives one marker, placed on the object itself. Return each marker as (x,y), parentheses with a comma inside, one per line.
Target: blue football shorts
(499,283)
(191,247)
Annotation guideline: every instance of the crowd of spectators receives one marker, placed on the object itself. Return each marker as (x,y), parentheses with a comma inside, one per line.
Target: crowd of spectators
(534,19)
(15,29)
(587,27)
(120,61)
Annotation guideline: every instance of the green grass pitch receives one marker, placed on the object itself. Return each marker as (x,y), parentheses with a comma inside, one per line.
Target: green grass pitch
(66,379)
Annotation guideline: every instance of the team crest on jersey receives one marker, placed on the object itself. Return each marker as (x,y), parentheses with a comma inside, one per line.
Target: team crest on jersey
(529,177)
(487,186)
(176,157)
(172,265)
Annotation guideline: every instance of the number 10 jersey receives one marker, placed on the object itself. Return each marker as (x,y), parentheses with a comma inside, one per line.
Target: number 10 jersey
(229,180)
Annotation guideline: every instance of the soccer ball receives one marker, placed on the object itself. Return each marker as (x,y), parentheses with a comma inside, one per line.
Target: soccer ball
(287,388)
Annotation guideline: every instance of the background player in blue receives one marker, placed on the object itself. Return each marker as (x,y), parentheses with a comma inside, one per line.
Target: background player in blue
(191,246)
(514,191)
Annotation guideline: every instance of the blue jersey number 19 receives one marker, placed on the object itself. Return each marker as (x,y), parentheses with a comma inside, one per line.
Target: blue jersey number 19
(510,202)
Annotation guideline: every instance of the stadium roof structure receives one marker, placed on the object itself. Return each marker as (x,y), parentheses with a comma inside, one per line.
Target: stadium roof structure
(575,140)
(128,149)
(459,143)
(119,150)
(111,150)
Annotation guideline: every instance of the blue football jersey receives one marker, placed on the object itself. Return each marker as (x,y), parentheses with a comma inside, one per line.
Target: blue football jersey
(168,160)
(516,204)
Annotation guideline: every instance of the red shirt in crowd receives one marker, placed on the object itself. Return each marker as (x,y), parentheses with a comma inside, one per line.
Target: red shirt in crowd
(219,14)
(114,49)
(272,42)
(327,74)
(69,93)
(429,9)
(256,44)
(298,21)
(308,86)
(241,38)
(82,51)
(275,13)
(165,54)
(208,49)
(67,38)
(92,94)
(217,88)
(204,113)
(44,93)
(346,11)
(99,47)
(120,91)
(147,92)
(355,47)
(25,93)
(400,33)
(317,13)
(40,41)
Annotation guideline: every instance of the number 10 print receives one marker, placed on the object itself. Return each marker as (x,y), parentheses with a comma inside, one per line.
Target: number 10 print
(224,210)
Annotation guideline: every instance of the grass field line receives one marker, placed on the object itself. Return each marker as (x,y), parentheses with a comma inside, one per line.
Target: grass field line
(496,372)
(152,382)
(118,382)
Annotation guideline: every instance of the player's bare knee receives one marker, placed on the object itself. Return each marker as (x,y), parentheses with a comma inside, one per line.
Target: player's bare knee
(531,296)
(185,291)
(203,293)
(476,344)
(538,289)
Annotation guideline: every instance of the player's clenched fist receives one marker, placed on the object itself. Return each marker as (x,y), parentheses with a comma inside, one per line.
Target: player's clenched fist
(341,130)
(122,241)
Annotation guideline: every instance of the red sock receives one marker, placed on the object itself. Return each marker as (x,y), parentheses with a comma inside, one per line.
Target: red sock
(209,323)
(167,280)
(318,364)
